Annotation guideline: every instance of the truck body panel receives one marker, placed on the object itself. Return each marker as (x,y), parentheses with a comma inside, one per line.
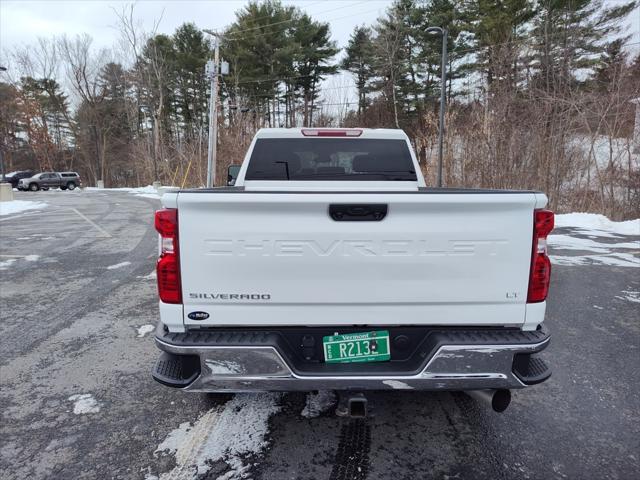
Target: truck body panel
(280,259)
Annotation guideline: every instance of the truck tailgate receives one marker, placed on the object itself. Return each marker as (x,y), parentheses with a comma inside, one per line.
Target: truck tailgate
(259,258)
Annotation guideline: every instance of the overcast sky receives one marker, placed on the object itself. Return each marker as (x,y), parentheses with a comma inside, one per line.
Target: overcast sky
(24,20)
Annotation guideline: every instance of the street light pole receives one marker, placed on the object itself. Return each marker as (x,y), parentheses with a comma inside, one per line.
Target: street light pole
(443,90)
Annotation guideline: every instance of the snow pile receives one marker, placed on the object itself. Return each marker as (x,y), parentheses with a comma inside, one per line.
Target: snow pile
(17,206)
(147,189)
(596,224)
(144,329)
(118,265)
(84,403)
(318,403)
(148,192)
(228,433)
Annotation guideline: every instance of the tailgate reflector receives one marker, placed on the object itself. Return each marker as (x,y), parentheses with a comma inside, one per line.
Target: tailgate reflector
(168,266)
(540,273)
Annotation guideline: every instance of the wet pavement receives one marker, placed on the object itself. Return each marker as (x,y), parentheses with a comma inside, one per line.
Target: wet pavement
(76,297)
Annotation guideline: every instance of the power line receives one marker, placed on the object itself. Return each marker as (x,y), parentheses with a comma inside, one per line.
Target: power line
(269,16)
(292,19)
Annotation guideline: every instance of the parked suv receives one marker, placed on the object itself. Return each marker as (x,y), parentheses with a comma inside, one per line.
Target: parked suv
(47,180)
(14,177)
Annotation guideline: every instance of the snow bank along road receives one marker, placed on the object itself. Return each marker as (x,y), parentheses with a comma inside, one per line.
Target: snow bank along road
(77,305)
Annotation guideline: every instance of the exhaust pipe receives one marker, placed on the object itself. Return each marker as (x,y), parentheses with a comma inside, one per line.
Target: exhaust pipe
(499,400)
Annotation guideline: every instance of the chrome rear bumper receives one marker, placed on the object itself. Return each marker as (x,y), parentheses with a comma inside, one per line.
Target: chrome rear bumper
(241,368)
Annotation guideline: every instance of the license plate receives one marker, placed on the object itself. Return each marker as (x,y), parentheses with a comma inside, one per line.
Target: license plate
(357,347)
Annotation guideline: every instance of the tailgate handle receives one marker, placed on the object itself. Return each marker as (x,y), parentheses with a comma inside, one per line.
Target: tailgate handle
(350,212)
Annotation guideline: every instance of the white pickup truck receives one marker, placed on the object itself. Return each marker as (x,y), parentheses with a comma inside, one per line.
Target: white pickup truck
(329,264)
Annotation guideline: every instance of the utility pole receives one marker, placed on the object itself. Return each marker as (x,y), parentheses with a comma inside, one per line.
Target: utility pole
(155,136)
(213,71)
(443,92)
(99,182)
(2,172)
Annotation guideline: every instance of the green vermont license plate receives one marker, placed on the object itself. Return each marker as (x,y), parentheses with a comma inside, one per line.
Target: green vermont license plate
(357,347)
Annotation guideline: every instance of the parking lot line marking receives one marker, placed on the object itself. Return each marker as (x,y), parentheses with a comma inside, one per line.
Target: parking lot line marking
(96,226)
(37,212)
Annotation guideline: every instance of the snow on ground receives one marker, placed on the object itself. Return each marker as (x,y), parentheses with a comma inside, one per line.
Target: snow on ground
(5,264)
(118,265)
(630,296)
(17,206)
(318,403)
(596,224)
(84,403)
(148,192)
(612,260)
(149,195)
(621,253)
(229,433)
(144,329)
(568,242)
(151,276)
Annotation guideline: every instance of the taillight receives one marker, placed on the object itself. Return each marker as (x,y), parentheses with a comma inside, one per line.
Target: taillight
(168,266)
(540,273)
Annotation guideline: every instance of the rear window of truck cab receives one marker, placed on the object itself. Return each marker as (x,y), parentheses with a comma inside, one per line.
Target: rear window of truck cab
(330,159)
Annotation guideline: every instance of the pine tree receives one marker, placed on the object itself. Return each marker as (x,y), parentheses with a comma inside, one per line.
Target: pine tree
(499,29)
(571,37)
(451,15)
(358,60)
(259,49)
(191,52)
(312,59)
(277,54)
(157,97)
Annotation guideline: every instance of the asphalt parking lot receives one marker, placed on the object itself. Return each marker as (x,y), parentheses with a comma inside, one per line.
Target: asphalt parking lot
(77,302)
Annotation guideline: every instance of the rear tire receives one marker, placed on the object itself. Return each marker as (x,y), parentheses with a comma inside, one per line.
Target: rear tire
(71,186)
(34,187)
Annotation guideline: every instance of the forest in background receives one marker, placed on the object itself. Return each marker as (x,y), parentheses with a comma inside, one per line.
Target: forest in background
(539,95)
